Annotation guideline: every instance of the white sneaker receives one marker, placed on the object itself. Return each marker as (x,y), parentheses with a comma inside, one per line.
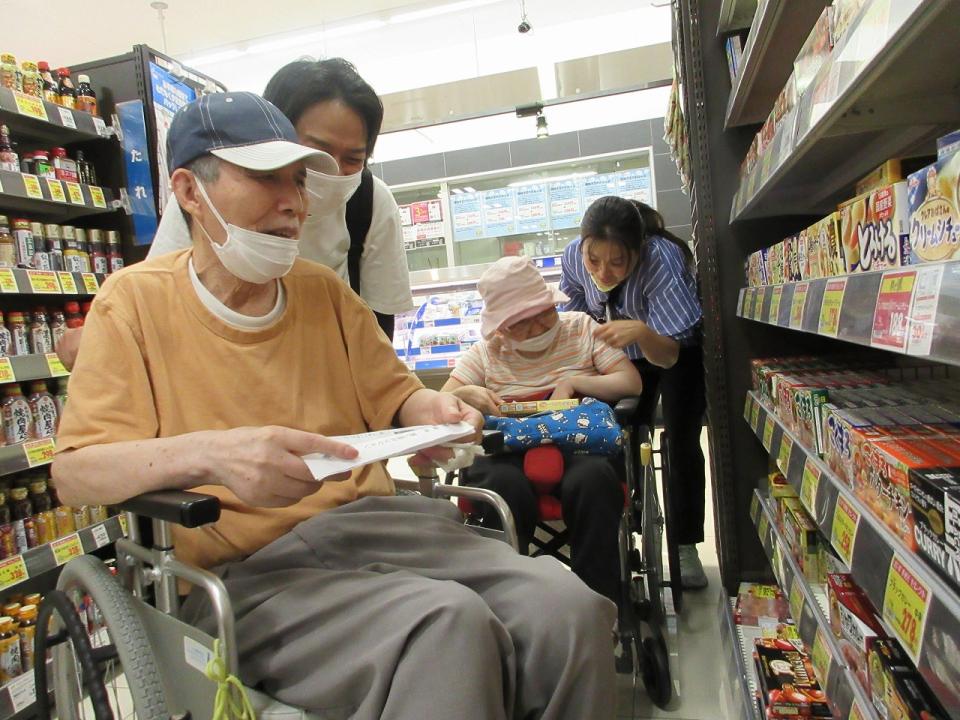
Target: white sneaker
(692,576)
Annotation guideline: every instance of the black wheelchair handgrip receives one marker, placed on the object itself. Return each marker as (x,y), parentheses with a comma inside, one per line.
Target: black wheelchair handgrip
(492,442)
(626,409)
(188,509)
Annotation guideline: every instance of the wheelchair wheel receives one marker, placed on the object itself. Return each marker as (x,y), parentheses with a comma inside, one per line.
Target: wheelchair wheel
(656,669)
(652,539)
(126,680)
(673,549)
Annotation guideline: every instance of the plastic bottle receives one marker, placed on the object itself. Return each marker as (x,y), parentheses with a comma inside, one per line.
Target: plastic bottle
(8,542)
(43,409)
(65,89)
(81,517)
(21,516)
(46,523)
(41,258)
(19,334)
(63,167)
(86,97)
(72,260)
(6,339)
(17,418)
(83,247)
(74,318)
(9,160)
(12,611)
(42,167)
(98,254)
(8,246)
(10,664)
(114,256)
(32,82)
(49,85)
(27,631)
(54,245)
(23,236)
(10,75)
(41,339)
(58,327)
(85,169)
(60,397)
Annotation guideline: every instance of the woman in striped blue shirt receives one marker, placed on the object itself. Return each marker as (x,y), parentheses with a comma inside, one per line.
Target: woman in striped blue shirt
(633,275)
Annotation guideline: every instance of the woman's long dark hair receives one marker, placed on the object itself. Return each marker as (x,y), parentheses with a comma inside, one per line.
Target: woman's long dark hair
(630,223)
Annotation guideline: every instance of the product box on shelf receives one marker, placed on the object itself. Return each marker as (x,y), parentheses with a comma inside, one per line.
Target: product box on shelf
(779,486)
(757,602)
(935,501)
(934,200)
(897,690)
(844,430)
(888,173)
(854,623)
(788,681)
(815,52)
(802,537)
(786,100)
(874,229)
(948,145)
(844,12)
(734,49)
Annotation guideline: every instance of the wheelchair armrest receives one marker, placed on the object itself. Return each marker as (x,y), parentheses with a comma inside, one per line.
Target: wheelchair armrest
(492,442)
(626,410)
(188,509)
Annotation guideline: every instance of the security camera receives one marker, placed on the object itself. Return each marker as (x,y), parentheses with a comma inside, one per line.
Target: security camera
(524,27)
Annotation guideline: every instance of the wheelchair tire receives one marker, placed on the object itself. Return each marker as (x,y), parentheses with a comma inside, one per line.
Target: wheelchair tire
(651,537)
(673,548)
(117,608)
(656,670)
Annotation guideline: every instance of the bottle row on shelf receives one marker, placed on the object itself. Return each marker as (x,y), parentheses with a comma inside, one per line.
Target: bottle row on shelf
(35,416)
(36,79)
(892,222)
(53,164)
(55,247)
(38,332)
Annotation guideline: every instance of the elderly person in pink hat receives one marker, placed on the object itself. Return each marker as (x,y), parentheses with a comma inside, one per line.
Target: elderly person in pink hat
(530,351)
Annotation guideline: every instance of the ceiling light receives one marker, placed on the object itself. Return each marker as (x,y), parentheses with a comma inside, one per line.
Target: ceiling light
(436,10)
(542,131)
(470,189)
(456,191)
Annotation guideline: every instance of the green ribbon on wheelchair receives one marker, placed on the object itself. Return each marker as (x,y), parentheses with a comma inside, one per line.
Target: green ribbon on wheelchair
(231,702)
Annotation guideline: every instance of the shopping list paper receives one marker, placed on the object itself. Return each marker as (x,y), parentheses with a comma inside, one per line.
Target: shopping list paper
(383,444)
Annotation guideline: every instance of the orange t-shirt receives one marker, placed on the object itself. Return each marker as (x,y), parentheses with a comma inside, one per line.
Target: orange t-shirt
(155,362)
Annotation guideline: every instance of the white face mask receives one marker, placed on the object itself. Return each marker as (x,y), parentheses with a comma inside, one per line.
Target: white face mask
(252,256)
(538,343)
(328,193)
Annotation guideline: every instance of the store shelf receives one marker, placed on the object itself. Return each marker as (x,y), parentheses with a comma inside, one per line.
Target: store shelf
(18,697)
(17,458)
(735,15)
(42,198)
(877,97)
(22,368)
(910,311)
(743,690)
(47,122)
(18,281)
(808,606)
(780,27)
(879,562)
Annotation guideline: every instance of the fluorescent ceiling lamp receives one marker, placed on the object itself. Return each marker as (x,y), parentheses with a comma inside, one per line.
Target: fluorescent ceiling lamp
(443,9)
(558,178)
(214,57)
(470,189)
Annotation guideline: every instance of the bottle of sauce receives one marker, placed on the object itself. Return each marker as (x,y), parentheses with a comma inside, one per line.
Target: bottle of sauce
(8,246)
(60,398)
(9,160)
(54,245)
(71,251)
(49,85)
(98,255)
(10,664)
(26,164)
(114,256)
(42,167)
(63,167)
(86,97)
(8,543)
(41,258)
(17,418)
(27,631)
(84,169)
(44,411)
(83,247)
(19,334)
(74,318)
(32,82)
(12,611)
(21,515)
(6,339)
(58,327)
(65,89)
(98,513)
(10,75)
(41,339)
(23,236)
(44,518)
(81,517)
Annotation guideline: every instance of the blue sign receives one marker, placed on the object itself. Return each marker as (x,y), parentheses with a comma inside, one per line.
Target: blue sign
(499,213)
(565,211)
(635,185)
(136,159)
(532,208)
(169,95)
(598,186)
(466,212)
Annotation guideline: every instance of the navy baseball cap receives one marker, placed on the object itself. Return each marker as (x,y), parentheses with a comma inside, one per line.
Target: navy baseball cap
(241,128)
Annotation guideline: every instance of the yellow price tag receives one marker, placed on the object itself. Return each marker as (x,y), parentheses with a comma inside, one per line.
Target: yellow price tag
(809,486)
(44,282)
(8,281)
(747,407)
(843,534)
(786,450)
(757,310)
(905,604)
(90,283)
(748,303)
(774,317)
(763,528)
(56,191)
(75,193)
(12,571)
(6,371)
(122,518)
(67,282)
(821,657)
(831,305)
(30,105)
(796,600)
(39,452)
(55,365)
(799,301)
(768,432)
(96,194)
(32,185)
(755,509)
(755,416)
(67,548)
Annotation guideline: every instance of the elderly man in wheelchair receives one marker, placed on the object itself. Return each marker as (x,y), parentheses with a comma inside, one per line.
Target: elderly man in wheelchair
(217,369)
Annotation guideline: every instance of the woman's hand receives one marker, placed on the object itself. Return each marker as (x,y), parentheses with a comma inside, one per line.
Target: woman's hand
(484,400)
(620,333)
(566,389)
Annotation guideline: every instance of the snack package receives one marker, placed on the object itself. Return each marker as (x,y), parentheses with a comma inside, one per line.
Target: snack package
(788,681)
(854,623)
(874,229)
(778,487)
(532,407)
(897,690)
(815,52)
(756,601)
(802,537)
(948,145)
(844,13)
(935,501)
(890,172)
(825,256)
(934,201)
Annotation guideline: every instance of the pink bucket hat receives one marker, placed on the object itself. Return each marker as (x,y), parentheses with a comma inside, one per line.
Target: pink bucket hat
(512,290)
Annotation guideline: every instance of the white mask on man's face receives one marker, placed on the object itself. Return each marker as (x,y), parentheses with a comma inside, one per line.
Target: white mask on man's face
(328,193)
(252,256)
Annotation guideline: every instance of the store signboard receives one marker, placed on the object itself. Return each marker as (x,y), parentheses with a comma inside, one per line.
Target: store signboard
(499,212)
(532,208)
(635,185)
(169,95)
(565,211)
(467,212)
(595,187)
(406,215)
(136,158)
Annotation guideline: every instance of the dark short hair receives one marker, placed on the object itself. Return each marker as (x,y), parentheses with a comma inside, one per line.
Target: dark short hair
(629,223)
(298,86)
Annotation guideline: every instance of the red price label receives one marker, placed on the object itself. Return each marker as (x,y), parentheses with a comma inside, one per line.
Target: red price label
(891,316)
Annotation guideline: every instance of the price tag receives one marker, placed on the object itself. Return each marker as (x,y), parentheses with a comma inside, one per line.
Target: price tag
(67,548)
(90,283)
(44,282)
(39,452)
(100,125)
(843,534)
(748,303)
(66,118)
(122,517)
(763,528)
(32,185)
(55,365)
(8,281)
(740,299)
(923,311)
(67,283)
(30,105)
(821,657)
(6,371)
(755,416)
(100,535)
(774,317)
(786,450)
(75,193)
(12,571)
(905,604)
(96,194)
(23,692)
(808,487)
(768,433)
(830,308)
(799,301)
(857,712)
(748,407)
(56,190)
(893,310)
(796,600)
(755,509)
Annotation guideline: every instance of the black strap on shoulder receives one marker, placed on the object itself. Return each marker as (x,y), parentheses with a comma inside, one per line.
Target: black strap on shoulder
(359,217)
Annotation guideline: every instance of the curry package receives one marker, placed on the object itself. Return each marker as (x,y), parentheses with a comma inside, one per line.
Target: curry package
(874,229)
(934,197)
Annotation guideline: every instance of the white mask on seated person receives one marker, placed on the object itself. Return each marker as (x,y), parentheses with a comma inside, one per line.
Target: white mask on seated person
(538,343)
